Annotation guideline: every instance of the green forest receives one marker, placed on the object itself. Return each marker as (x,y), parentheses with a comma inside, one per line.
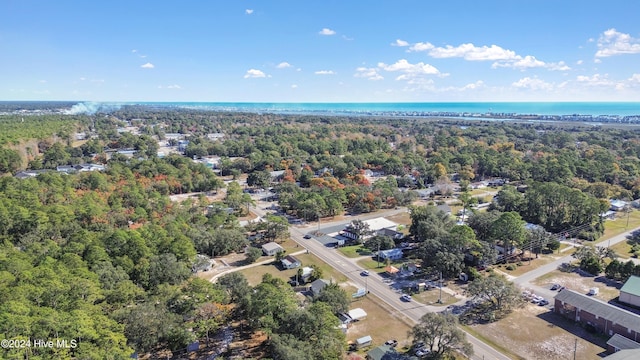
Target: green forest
(107,259)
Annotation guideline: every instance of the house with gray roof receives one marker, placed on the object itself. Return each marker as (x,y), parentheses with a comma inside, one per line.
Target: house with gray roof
(271,248)
(318,285)
(630,291)
(597,314)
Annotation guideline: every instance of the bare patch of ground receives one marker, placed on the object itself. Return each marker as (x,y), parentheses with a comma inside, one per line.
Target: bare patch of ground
(534,332)
(608,290)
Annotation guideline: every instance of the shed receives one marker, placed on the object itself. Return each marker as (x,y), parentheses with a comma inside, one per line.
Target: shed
(271,248)
(357,314)
(630,291)
(364,341)
(391,270)
(629,354)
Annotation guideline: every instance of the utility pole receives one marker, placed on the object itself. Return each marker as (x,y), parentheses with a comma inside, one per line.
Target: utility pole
(378,255)
(575,349)
(440,298)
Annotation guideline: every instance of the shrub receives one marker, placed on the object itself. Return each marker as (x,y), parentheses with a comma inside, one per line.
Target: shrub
(510,267)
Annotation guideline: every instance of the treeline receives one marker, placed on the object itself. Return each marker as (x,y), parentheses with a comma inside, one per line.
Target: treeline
(106,259)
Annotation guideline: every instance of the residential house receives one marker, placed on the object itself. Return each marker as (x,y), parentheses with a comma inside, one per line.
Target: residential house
(290,262)
(630,291)
(617,205)
(597,315)
(445,208)
(391,254)
(384,352)
(374,225)
(394,234)
(29,173)
(318,285)
(271,248)
(306,274)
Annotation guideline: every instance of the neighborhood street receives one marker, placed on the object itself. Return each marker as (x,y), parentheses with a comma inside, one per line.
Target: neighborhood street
(375,284)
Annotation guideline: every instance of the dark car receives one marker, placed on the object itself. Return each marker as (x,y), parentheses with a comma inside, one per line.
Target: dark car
(392,343)
(307,236)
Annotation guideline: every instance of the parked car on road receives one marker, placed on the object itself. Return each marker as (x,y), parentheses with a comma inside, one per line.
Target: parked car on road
(405,297)
(364,273)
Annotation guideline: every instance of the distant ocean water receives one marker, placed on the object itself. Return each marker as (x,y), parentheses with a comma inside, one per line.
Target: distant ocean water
(475,108)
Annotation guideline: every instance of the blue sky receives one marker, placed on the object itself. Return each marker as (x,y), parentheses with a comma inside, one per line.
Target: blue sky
(320,51)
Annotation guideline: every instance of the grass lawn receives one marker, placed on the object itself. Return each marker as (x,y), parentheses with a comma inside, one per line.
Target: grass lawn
(382,323)
(403,218)
(619,225)
(254,274)
(622,249)
(534,332)
(374,265)
(528,266)
(355,251)
(430,297)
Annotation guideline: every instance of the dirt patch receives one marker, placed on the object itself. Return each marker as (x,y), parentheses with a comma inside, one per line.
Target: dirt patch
(608,290)
(534,332)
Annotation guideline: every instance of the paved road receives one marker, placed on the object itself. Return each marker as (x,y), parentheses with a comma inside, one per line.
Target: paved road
(376,285)
(413,310)
(526,279)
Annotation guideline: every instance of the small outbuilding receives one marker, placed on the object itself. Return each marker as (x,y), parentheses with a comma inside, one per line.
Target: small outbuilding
(357,314)
(271,248)
(318,285)
(364,342)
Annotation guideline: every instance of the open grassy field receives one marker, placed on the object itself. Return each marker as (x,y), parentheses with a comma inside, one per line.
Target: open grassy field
(620,225)
(534,332)
(254,274)
(355,251)
(623,250)
(430,297)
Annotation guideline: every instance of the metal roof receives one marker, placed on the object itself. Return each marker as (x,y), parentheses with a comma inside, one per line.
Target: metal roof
(632,286)
(600,308)
(622,343)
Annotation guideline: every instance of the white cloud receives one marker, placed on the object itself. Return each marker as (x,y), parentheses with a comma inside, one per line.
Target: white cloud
(283,65)
(254,73)
(469,52)
(595,80)
(597,61)
(421,47)
(403,65)
(294,86)
(472,86)
(579,62)
(520,63)
(368,73)
(248,11)
(326,31)
(400,43)
(612,42)
(325,72)
(635,79)
(175,86)
(147,66)
(532,84)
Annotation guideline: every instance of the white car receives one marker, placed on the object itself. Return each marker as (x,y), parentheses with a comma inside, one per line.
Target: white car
(364,273)
(422,352)
(405,297)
